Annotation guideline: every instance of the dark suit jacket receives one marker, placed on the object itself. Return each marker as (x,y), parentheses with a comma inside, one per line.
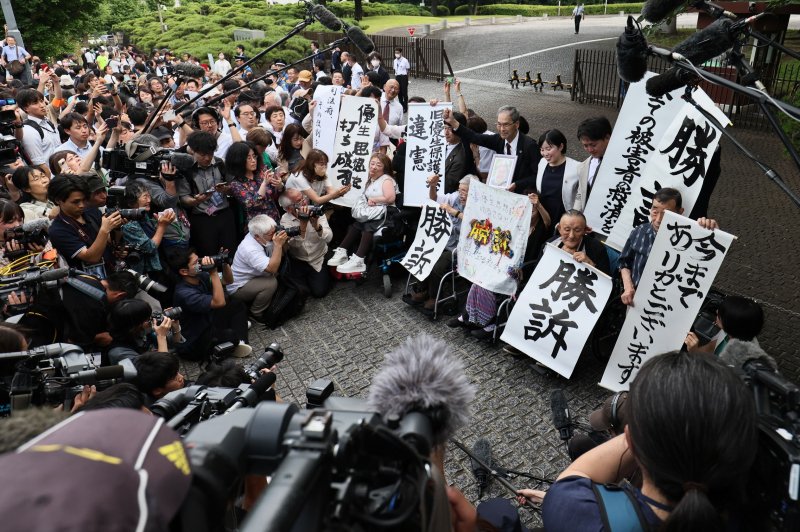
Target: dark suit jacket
(455,167)
(527,154)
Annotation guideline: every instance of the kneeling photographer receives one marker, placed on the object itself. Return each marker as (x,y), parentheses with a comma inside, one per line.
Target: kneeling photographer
(209,317)
(256,265)
(157,374)
(17,239)
(135,329)
(307,249)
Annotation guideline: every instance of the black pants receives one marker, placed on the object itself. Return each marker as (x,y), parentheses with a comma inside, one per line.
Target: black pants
(578,23)
(229,324)
(440,269)
(210,233)
(318,283)
(403,96)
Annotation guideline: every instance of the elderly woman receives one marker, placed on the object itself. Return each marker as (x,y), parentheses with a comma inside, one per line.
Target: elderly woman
(145,235)
(481,308)
(34,184)
(275,118)
(311,178)
(557,175)
(256,264)
(253,185)
(453,204)
(573,237)
(380,189)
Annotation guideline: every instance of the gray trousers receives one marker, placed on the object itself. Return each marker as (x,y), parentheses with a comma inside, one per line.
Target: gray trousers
(257,293)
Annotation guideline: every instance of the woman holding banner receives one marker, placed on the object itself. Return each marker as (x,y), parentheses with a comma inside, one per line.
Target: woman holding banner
(312,179)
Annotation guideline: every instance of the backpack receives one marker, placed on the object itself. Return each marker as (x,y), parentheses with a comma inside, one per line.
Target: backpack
(619,510)
(288,301)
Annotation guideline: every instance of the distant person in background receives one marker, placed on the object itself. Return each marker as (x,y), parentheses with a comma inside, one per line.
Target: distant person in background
(577,14)
(401,68)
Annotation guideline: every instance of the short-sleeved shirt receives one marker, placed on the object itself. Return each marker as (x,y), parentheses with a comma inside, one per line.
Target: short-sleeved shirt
(39,148)
(70,237)
(299,182)
(637,250)
(251,261)
(195,303)
(454,201)
(14,53)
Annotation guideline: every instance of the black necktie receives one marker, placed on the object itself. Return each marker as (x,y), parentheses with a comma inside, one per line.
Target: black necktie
(508,148)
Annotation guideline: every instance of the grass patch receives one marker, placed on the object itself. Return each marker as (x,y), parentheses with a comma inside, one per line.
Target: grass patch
(379,24)
(669,42)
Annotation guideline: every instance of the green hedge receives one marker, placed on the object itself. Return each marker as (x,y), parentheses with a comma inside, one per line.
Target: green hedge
(442,11)
(463,11)
(566,10)
(347,9)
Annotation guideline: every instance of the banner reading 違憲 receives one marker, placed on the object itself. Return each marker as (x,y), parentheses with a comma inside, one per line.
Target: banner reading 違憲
(556,312)
(680,161)
(433,233)
(326,115)
(355,132)
(493,237)
(425,150)
(682,265)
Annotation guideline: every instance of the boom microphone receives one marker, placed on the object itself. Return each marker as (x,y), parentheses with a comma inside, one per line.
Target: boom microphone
(190,70)
(738,354)
(632,53)
(360,39)
(326,18)
(482,450)
(561,417)
(105,373)
(421,375)
(658,10)
(36,225)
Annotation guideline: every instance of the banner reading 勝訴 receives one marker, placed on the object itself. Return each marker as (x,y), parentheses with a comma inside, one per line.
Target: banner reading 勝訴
(355,134)
(433,233)
(682,265)
(425,150)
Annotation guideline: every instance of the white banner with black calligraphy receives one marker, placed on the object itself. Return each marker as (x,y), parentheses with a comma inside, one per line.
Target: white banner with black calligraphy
(683,263)
(556,312)
(425,150)
(493,237)
(355,136)
(433,233)
(326,115)
(680,161)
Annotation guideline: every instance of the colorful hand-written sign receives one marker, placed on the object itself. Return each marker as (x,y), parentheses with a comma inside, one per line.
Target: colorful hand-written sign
(556,312)
(433,233)
(425,150)
(493,237)
(682,265)
(355,131)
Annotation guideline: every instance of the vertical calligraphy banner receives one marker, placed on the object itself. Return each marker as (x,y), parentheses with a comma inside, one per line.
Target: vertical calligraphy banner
(355,131)
(425,150)
(682,266)
(680,161)
(433,233)
(493,237)
(326,115)
(639,128)
(556,312)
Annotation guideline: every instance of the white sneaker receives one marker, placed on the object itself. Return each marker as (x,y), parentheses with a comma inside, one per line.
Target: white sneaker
(242,351)
(339,257)
(354,265)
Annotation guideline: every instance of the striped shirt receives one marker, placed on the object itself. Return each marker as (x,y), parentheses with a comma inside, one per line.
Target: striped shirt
(637,250)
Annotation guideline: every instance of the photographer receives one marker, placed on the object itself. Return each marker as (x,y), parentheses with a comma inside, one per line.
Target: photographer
(134,330)
(204,194)
(307,250)
(10,218)
(157,374)
(256,265)
(34,184)
(82,236)
(144,235)
(208,316)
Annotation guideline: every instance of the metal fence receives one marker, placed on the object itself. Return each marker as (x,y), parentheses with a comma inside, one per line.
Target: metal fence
(596,82)
(427,55)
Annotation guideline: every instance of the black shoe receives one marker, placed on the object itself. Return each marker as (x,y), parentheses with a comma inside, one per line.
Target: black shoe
(481,334)
(455,322)
(409,300)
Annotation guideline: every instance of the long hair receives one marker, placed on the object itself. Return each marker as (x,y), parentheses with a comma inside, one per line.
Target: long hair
(289,132)
(693,429)
(236,160)
(314,156)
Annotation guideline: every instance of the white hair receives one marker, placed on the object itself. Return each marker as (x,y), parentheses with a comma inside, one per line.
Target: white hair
(284,200)
(466,179)
(261,225)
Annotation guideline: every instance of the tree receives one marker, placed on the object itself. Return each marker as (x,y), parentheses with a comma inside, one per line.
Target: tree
(359,10)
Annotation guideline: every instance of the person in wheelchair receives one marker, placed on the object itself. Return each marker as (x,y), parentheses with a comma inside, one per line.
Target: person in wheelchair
(574,237)
(380,190)
(453,203)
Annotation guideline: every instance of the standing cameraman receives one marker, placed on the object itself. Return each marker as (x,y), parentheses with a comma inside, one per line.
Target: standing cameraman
(308,249)
(208,316)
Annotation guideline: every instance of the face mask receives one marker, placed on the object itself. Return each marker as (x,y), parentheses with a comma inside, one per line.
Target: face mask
(375,63)
(197,269)
(397,55)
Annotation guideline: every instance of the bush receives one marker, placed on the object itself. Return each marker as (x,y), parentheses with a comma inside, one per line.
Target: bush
(347,9)
(464,11)
(442,11)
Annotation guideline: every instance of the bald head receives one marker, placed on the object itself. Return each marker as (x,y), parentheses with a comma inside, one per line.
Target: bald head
(391,89)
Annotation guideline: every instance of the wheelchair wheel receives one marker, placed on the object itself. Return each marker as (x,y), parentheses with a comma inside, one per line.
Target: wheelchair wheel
(387,285)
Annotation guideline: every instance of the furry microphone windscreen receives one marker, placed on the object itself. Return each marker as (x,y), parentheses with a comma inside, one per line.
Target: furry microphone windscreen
(421,375)
(190,70)
(738,353)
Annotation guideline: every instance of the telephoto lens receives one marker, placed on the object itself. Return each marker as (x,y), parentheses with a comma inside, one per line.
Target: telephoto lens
(271,356)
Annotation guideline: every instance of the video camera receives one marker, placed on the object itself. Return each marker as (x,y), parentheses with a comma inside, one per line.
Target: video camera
(54,374)
(219,259)
(29,283)
(145,162)
(313,210)
(290,231)
(23,235)
(8,142)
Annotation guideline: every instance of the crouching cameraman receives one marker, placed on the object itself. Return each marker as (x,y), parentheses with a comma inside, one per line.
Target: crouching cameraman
(135,329)
(308,248)
(209,317)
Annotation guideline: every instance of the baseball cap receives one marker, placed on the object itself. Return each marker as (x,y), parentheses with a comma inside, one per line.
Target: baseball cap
(600,419)
(93,181)
(66,81)
(304,75)
(162,133)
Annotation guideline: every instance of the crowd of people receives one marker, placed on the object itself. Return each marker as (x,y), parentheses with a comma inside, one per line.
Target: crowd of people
(241,229)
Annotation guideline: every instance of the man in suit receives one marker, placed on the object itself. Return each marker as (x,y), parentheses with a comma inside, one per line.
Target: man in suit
(594,134)
(457,155)
(507,141)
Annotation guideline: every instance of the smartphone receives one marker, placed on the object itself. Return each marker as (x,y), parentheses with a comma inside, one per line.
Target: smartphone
(210,191)
(110,87)
(112,122)
(451,80)
(169,115)
(44,66)
(83,97)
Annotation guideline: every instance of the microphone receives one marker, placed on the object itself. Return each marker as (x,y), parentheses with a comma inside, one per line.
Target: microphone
(36,225)
(482,450)
(561,417)
(325,17)
(739,355)
(189,70)
(252,394)
(712,41)
(421,375)
(632,53)
(53,275)
(360,39)
(105,373)
(657,10)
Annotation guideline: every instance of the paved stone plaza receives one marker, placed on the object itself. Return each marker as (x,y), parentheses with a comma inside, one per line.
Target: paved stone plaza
(345,336)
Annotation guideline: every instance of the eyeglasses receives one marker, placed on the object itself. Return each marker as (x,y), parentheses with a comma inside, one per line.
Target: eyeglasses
(208,123)
(505,124)
(247,113)
(37,177)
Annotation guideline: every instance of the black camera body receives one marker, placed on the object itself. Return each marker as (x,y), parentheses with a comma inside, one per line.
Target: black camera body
(313,210)
(271,356)
(219,259)
(173,313)
(290,231)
